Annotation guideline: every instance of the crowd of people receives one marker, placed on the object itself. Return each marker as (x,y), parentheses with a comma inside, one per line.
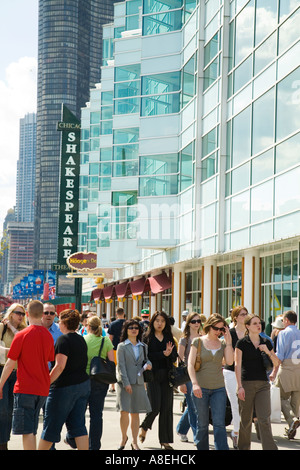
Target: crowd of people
(45,365)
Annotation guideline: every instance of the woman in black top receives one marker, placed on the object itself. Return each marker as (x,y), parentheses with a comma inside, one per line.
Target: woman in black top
(70,386)
(253,385)
(162,353)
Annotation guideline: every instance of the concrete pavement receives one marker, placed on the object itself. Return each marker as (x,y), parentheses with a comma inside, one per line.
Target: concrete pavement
(112,435)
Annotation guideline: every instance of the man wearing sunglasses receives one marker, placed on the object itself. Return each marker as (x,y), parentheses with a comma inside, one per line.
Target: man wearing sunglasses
(48,321)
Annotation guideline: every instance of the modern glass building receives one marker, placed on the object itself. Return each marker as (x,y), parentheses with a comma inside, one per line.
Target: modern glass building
(69,59)
(190,157)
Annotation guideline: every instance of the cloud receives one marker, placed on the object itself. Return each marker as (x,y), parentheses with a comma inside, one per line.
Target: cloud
(17,97)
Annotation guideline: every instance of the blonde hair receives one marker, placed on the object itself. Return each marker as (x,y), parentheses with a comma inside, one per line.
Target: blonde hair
(10,310)
(94,323)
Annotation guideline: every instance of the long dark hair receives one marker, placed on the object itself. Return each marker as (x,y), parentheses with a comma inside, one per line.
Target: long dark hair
(166,331)
(124,332)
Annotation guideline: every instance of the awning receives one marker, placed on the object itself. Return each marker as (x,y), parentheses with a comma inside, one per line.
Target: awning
(160,283)
(122,290)
(140,286)
(96,294)
(108,292)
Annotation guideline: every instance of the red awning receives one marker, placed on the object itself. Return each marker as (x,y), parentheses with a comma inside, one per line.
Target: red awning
(96,294)
(108,292)
(160,283)
(139,286)
(122,290)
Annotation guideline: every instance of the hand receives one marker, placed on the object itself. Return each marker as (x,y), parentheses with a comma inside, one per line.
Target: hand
(183,389)
(128,389)
(263,347)
(169,348)
(1,393)
(197,390)
(227,336)
(241,393)
(149,367)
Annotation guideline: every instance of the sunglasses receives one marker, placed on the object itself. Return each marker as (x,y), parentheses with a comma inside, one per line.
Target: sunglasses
(195,321)
(133,328)
(49,313)
(218,329)
(19,313)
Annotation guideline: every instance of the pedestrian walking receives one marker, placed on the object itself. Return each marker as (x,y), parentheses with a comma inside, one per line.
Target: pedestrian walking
(70,386)
(114,333)
(253,385)
(287,373)
(13,321)
(94,340)
(188,420)
(32,349)
(208,383)
(132,398)
(162,354)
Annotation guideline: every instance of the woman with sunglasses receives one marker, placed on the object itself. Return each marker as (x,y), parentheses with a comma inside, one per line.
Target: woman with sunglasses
(14,321)
(162,353)
(208,383)
(191,330)
(132,398)
(238,315)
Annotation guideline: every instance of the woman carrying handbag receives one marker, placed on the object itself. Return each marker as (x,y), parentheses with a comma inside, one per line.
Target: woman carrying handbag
(132,398)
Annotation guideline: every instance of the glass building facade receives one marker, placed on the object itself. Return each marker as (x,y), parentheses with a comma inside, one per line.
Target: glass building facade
(190,152)
(69,60)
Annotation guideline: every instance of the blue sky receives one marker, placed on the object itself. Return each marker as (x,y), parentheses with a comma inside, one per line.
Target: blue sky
(18,70)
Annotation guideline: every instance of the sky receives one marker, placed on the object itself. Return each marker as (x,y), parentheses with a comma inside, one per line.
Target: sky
(18,84)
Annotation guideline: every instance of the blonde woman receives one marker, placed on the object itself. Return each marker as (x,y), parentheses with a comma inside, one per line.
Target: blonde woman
(192,329)
(14,321)
(208,382)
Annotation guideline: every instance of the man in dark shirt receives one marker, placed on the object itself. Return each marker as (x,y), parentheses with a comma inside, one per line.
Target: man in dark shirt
(114,332)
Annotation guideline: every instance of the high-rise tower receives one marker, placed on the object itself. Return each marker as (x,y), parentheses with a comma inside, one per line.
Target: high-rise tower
(69,60)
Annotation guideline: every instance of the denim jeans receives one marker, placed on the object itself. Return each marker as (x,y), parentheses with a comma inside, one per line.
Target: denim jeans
(189,418)
(216,400)
(96,405)
(66,405)
(6,407)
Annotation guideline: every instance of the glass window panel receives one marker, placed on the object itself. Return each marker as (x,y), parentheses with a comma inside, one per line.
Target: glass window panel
(287,192)
(133,6)
(95,131)
(106,112)
(127,72)
(126,136)
(150,6)
(242,74)
(104,184)
(106,127)
(295,265)
(286,7)
(105,169)
(158,186)
(211,49)
(287,266)
(240,210)
(161,104)
(262,167)
(244,32)
(126,89)
(287,153)
(106,154)
(277,268)
(265,53)
(263,122)
(266,18)
(107,97)
(288,105)
(159,164)
(103,240)
(124,198)
(127,106)
(162,23)
(126,168)
(94,169)
(211,73)
(161,83)
(289,31)
(85,134)
(209,166)
(126,152)
(95,117)
(93,182)
(132,22)
(262,202)
(241,141)
(240,178)
(210,141)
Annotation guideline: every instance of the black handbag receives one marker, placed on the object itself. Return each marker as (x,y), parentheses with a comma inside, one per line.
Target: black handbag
(103,370)
(147,374)
(178,375)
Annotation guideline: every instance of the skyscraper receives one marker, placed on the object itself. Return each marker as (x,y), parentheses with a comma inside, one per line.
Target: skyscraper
(69,59)
(26,169)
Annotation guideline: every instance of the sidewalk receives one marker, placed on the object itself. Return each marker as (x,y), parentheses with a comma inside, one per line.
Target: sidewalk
(112,435)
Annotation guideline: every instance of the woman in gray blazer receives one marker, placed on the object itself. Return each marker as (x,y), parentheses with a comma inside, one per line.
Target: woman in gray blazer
(132,398)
